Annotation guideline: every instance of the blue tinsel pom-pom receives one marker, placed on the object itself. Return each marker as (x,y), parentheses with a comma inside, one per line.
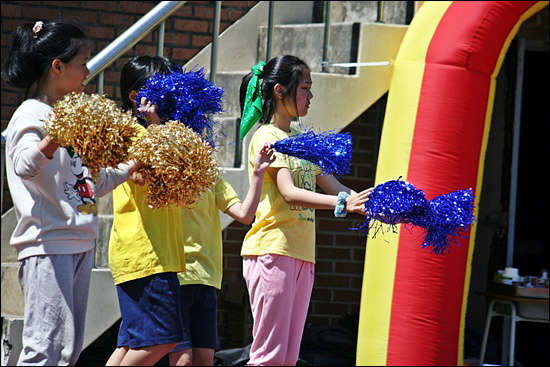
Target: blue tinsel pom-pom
(443,218)
(330,151)
(449,215)
(187,97)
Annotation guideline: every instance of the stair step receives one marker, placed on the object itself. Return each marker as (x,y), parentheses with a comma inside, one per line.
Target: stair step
(226,140)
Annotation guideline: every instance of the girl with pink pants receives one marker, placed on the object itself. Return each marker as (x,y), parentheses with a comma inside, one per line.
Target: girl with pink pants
(279,249)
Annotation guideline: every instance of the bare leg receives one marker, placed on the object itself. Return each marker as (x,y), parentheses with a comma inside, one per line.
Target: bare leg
(117,356)
(203,357)
(146,356)
(181,358)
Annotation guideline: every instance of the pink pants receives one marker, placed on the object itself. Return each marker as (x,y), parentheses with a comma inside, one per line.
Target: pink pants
(280,291)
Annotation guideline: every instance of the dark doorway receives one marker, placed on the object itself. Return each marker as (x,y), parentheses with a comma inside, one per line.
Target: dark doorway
(531,239)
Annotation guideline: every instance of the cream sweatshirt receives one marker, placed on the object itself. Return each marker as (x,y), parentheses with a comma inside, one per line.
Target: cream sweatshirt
(54,199)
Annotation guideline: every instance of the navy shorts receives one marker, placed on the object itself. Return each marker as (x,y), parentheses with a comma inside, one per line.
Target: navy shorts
(199,308)
(151,312)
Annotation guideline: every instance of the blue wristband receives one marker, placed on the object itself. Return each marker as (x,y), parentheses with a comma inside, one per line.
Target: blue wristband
(341,204)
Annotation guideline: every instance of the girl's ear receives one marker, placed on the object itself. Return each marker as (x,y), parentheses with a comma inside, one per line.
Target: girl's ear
(56,66)
(132,95)
(278,89)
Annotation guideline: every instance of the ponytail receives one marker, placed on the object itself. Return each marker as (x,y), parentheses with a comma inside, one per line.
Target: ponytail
(35,46)
(286,70)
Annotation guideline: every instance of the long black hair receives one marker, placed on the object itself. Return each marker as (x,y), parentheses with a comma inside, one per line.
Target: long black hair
(286,70)
(31,53)
(137,70)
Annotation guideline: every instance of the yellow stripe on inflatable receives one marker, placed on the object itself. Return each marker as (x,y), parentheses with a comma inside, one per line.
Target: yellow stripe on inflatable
(393,161)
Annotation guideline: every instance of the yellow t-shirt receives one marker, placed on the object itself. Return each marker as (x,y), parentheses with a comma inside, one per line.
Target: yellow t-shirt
(143,241)
(203,236)
(280,228)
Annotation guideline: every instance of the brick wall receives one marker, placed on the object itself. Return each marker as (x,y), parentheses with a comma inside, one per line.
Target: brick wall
(187,31)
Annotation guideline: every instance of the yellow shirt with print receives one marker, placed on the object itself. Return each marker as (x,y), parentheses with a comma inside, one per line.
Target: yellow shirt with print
(143,241)
(280,228)
(203,236)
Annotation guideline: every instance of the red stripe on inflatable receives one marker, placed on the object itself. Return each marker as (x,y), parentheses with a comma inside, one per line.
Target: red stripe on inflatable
(472,33)
(428,291)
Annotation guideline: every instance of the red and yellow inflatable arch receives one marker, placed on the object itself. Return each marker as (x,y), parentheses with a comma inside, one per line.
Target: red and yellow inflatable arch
(413,304)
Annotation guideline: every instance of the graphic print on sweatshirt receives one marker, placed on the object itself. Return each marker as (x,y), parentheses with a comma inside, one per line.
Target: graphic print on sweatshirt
(82,189)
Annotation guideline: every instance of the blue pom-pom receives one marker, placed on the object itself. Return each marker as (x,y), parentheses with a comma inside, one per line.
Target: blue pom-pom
(443,218)
(449,215)
(391,203)
(187,97)
(330,151)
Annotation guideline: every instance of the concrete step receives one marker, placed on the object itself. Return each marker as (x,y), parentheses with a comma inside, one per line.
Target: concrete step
(9,221)
(103,310)
(230,81)
(12,332)
(366,11)
(227,145)
(306,42)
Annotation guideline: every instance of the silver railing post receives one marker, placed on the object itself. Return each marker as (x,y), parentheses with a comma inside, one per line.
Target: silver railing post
(270,26)
(160,44)
(326,38)
(380,12)
(3,170)
(214,48)
(100,82)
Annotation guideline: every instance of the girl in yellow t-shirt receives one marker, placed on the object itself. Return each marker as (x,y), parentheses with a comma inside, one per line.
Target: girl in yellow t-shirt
(204,255)
(279,250)
(146,249)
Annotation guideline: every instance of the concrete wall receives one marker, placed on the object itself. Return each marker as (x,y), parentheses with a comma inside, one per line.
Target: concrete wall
(366,11)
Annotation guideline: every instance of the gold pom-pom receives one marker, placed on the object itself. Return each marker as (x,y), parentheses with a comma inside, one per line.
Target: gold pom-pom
(95,127)
(178,164)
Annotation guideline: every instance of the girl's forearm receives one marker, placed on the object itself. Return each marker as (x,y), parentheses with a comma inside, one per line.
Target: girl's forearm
(244,212)
(309,199)
(250,203)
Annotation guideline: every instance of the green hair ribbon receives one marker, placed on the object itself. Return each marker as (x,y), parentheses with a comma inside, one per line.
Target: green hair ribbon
(252,110)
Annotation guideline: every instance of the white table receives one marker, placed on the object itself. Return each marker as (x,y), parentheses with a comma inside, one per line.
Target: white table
(518,309)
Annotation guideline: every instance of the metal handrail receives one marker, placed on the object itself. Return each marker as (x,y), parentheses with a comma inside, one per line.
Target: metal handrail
(131,36)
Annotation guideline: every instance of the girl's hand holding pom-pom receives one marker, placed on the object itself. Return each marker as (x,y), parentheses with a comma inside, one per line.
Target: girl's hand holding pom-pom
(133,168)
(355,202)
(148,111)
(263,159)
